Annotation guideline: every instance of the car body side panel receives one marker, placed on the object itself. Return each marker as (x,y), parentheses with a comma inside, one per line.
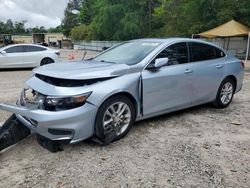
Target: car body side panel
(235,69)
(32,59)
(166,88)
(206,79)
(11,60)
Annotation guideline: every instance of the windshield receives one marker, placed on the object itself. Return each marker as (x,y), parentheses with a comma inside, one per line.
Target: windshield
(129,53)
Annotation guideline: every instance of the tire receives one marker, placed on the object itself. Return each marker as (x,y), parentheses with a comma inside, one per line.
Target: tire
(46,61)
(119,125)
(225,93)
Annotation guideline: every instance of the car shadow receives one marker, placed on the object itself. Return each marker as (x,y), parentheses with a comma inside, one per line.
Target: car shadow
(165,117)
(15,69)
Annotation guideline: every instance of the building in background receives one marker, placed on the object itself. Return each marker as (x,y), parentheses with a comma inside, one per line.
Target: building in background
(22,39)
(48,39)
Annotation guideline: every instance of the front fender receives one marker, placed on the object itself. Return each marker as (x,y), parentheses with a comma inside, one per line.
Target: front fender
(129,83)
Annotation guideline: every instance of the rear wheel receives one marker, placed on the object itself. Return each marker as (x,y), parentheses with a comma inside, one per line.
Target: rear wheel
(225,93)
(46,61)
(114,119)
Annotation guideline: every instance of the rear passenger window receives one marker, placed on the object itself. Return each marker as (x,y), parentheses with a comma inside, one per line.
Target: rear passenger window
(14,49)
(219,53)
(34,49)
(201,52)
(176,53)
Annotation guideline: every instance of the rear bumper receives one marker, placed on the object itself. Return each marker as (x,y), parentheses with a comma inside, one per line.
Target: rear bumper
(74,125)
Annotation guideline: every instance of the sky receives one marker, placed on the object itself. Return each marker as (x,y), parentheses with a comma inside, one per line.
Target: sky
(48,13)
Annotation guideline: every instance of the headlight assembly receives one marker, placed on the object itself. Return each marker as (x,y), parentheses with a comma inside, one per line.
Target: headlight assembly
(52,103)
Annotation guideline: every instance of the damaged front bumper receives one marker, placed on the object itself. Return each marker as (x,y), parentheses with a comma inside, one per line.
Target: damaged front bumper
(75,125)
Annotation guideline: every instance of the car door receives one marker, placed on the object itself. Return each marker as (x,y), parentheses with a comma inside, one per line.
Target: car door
(167,88)
(33,55)
(11,57)
(208,64)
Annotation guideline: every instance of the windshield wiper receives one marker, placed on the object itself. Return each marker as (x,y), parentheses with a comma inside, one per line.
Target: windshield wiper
(107,61)
(89,59)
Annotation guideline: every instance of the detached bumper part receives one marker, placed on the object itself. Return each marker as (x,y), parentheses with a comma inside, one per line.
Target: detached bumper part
(52,146)
(12,132)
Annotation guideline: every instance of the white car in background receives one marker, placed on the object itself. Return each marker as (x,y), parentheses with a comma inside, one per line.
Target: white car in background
(27,56)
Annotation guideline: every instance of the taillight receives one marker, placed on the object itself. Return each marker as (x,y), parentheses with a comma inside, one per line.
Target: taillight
(242,64)
(57,53)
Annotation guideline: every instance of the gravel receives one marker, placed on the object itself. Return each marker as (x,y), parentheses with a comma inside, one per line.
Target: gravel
(197,147)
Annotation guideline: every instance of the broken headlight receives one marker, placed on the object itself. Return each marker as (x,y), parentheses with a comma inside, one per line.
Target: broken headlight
(65,103)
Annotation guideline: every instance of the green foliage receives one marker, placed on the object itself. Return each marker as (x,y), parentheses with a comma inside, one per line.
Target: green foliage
(80,32)
(18,28)
(70,19)
(119,20)
(57,29)
(186,17)
(123,20)
(86,12)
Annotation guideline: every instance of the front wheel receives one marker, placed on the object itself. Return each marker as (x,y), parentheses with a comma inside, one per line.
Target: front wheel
(225,93)
(114,119)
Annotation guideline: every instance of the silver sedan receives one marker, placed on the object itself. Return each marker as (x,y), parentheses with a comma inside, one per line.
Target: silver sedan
(134,80)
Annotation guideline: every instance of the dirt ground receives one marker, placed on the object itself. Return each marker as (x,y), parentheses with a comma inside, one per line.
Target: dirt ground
(198,147)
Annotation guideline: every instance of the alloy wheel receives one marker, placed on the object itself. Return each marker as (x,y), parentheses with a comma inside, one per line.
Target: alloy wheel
(118,117)
(226,93)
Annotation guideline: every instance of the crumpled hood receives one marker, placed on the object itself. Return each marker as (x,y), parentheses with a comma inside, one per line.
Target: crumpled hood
(81,70)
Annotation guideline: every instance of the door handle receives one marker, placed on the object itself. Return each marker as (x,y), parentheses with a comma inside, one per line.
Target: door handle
(188,71)
(219,66)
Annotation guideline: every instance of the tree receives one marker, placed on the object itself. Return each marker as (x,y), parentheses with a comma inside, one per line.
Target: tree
(123,20)
(81,32)
(9,26)
(57,29)
(86,12)
(2,27)
(70,19)
(120,20)
(19,27)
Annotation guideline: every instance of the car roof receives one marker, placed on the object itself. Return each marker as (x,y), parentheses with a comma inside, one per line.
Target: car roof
(167,41)
(12,45)
(170,40)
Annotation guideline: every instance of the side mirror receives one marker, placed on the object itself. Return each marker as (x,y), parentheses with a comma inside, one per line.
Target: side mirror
(160,62)
(3,52)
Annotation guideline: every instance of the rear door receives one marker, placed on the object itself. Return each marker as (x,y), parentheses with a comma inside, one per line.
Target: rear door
(12,58)
(209,66)
(167,88)
(33,55)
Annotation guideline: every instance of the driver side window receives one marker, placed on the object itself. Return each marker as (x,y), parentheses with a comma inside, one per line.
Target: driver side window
(176,53)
